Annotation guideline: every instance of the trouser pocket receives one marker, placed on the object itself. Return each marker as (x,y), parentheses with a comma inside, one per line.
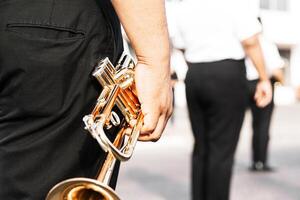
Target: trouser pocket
(37,60)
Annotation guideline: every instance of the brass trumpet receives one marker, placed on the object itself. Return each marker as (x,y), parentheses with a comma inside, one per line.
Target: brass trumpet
(118,89)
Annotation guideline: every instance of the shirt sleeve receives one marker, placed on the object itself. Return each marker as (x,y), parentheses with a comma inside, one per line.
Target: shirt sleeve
(174,26)
(273,60)
(245,22)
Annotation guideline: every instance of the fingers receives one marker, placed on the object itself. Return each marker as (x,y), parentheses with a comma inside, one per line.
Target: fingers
(260,99)
(156,133)
(154,124)
(150,120)
(262,102)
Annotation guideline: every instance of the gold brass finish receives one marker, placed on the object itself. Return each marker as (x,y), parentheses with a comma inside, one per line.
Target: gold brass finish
(118,89)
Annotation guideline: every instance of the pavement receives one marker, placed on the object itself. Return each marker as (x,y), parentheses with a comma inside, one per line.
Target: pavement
(161,170)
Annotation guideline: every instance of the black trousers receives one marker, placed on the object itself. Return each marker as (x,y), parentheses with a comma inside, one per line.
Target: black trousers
(48,51)
(216,98)
(261,119)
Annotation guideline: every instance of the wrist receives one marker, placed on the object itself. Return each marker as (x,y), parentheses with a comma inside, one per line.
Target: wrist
(161,66)
(264,78)
(154,59)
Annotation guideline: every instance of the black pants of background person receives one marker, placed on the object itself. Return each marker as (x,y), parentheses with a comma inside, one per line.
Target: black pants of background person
(48,50)
(261,119)
(216,98)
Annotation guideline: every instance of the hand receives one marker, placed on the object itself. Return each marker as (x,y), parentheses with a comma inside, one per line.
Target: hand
(154,91)
(263,93)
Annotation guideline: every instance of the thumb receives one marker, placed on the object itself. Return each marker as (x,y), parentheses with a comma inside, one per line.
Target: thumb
(257,94)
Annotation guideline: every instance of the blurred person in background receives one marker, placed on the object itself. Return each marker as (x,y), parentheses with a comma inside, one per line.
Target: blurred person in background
(261,116)
(215,36)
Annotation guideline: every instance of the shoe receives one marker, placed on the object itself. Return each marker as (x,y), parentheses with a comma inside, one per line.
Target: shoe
(261,167)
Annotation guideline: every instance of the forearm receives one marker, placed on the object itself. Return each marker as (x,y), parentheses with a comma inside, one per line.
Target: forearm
(254,52)
(263,93)
(144,21)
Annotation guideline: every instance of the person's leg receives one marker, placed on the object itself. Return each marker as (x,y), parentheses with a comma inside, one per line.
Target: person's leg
(224,113)
(224,128)
(261,119)
(197,124)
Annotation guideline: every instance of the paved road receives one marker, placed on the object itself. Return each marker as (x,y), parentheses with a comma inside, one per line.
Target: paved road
(160,171)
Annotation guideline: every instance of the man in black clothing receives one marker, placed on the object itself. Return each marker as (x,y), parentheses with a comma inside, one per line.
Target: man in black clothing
(216,36)
(261,120)
(48,50)
(261,117)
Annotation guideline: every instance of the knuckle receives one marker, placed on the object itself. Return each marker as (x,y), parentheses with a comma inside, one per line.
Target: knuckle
(164,109)
(170,112)
(149,127)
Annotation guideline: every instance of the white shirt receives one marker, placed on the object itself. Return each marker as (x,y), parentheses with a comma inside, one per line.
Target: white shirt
(272,59)
(211,30)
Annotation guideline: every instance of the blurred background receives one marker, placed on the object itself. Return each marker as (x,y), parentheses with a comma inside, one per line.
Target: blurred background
(161,171)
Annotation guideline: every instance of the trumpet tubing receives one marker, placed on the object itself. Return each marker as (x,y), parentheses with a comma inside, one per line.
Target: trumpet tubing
(118,89)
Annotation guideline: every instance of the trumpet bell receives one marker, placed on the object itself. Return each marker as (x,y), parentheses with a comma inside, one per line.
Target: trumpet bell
(82,189)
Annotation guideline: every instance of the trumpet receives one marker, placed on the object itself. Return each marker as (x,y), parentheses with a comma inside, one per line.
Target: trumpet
(118,89)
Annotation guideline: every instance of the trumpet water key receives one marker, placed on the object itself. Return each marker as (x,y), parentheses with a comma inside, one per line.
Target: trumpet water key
(118,89)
